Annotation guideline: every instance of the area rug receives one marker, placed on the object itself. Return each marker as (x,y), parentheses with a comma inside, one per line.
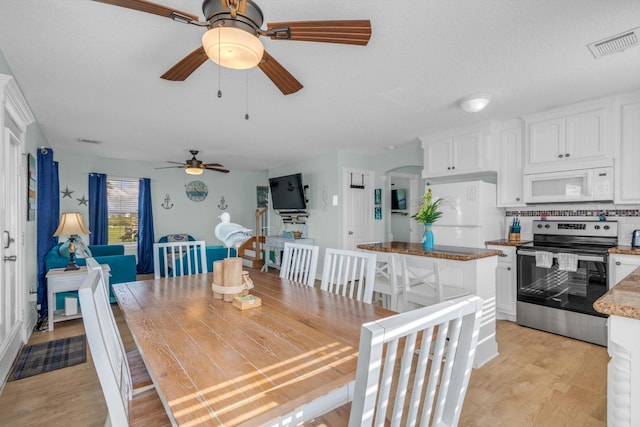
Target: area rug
(49,356)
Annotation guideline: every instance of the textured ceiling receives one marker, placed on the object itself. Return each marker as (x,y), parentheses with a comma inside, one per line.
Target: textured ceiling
(91,70)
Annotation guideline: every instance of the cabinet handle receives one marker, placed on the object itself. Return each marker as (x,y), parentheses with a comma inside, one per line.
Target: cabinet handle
(517,199)
(508,268)
(617,262)
(503,255)
(560,155)
(566,155)
(453,167)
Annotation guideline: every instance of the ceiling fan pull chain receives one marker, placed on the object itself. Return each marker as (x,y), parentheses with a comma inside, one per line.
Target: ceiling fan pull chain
(219,68)
(246,114)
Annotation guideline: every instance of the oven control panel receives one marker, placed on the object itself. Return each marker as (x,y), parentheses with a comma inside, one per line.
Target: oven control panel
(576,228)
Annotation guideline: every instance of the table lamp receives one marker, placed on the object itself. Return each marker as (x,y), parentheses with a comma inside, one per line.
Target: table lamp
(71,225)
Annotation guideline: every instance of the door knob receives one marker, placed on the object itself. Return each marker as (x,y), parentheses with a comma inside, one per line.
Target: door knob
(10,258)
(9,240)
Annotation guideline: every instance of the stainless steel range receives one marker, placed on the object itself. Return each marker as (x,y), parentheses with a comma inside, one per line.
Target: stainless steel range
(561,274)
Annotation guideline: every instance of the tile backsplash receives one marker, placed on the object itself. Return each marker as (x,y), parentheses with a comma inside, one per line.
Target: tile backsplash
(628,218)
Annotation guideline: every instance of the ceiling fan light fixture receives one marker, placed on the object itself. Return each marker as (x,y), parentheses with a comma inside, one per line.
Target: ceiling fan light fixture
(191,170)
(475,103)
(232,47)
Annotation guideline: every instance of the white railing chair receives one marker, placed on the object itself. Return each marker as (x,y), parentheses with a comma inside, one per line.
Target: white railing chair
(388,285)
(422,284)
(407,352)
(299,263)
(109,356)
(349,273)
(179,258)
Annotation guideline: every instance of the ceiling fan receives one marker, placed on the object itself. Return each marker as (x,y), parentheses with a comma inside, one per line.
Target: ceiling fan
(232,37)
(194,166)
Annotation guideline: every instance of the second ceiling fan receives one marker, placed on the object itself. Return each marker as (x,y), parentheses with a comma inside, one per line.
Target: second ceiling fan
(232,37)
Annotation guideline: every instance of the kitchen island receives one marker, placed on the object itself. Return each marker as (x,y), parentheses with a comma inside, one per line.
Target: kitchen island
(473,269)
(622,304)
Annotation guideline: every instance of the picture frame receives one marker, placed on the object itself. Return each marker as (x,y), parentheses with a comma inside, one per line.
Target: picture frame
(377,196)
(377,213)
(262,196)
(32,185)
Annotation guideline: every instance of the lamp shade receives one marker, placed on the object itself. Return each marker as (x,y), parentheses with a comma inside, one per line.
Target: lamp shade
(475,103)
(194,171)
(71,224)
(232,47)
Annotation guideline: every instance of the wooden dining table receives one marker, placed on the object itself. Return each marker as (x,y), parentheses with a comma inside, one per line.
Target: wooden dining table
(290,359)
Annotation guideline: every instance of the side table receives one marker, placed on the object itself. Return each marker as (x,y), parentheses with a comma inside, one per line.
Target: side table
(59,280)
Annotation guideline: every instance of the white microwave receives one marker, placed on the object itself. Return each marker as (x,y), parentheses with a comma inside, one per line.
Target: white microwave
(582,185)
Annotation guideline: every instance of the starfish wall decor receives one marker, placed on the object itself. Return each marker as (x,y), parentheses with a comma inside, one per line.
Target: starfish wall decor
(66,192)
(82,201)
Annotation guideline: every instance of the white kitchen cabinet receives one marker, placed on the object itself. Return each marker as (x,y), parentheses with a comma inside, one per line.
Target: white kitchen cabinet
(569,139)
(628,159)
(620,266)
(506,283)
(510,180)
(457,153)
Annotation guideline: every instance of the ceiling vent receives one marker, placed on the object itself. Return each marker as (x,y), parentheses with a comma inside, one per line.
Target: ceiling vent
(617,43)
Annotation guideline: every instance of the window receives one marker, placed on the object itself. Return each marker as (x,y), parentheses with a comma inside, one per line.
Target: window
(122,202)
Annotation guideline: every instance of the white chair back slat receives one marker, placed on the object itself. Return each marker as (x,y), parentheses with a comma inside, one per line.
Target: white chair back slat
(429,389)
(349,273)
(185,258)
(107,350)
(299,263)
(423,284)
(387,284)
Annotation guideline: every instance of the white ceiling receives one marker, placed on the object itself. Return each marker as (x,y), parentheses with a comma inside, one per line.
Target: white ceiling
(91,70)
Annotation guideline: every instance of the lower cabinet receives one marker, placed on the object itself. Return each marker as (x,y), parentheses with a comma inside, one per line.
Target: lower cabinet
(620,266)
(506,283)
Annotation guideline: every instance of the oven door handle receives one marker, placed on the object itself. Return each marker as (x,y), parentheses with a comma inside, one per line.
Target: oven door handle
(593,258)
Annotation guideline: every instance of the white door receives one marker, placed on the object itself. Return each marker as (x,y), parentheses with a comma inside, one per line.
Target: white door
(10,297)
(357,226)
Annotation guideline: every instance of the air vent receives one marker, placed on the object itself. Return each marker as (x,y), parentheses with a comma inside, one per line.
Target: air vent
(617,43)
(89,141)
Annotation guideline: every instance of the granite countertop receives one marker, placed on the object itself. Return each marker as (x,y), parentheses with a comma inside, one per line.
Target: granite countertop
(623,299)
(625,250)
(455,253)
(505,242)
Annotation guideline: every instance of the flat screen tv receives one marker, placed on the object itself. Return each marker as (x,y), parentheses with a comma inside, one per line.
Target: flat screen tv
(399,199)
(287,193)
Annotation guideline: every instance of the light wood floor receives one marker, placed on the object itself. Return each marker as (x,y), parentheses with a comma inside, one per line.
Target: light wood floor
(539,379)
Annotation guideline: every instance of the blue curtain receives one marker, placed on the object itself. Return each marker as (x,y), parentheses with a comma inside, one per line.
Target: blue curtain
(145,228)
(48,216)
(98,210)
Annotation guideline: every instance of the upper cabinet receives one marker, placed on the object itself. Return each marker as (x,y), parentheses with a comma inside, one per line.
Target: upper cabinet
(628,156)
(510,182)
(462,152)
(570,138)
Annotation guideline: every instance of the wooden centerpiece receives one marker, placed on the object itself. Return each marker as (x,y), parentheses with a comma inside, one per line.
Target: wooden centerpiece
(229,281)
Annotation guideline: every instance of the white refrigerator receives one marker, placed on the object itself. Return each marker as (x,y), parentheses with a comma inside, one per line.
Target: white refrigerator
(470,216)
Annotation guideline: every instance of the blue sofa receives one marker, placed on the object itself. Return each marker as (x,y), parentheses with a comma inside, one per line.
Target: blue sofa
(123,267)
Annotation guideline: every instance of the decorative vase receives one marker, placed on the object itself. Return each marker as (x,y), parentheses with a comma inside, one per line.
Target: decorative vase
(427,245)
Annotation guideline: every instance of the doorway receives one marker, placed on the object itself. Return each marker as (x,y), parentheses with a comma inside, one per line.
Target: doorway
(400,226)
(357,194)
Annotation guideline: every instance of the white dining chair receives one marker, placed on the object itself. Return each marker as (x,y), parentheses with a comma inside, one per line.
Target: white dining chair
(387,283)
(109,356)
(299,263)
(349,273)
(422,284)
(179,258)
(425,356)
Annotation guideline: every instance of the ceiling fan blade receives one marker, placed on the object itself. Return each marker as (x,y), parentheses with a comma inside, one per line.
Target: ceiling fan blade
(279,75)
(356,32)
(217,170)
(186,66)
(213,165)
(147,6)
(170,167)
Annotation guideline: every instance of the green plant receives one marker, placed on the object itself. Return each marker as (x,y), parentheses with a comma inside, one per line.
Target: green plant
(428,213)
